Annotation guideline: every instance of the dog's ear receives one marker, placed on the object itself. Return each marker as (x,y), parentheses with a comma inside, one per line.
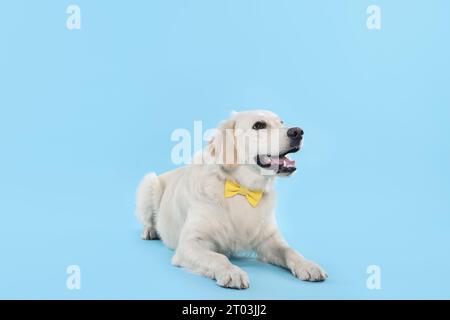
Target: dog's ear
(222,147)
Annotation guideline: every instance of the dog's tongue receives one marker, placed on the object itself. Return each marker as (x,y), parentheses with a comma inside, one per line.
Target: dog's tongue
(283,161)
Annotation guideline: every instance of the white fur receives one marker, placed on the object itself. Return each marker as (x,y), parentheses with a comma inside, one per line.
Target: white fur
(187,209)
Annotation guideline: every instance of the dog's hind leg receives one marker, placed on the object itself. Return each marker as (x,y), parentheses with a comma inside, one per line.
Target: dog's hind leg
(147,205)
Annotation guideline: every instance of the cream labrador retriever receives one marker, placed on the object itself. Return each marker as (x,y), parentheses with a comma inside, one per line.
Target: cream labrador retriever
(223,203)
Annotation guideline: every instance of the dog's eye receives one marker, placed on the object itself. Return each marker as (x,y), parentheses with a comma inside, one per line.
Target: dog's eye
(259,125)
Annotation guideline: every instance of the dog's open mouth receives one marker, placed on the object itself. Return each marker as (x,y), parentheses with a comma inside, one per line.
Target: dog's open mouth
(280,163)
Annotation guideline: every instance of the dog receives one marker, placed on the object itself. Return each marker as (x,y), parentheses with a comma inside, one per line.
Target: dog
(223,203)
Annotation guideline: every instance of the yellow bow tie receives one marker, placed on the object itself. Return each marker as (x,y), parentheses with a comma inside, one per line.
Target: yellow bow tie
(232,189)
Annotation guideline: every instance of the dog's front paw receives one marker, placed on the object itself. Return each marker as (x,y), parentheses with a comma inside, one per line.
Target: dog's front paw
(233,277)
(308,271)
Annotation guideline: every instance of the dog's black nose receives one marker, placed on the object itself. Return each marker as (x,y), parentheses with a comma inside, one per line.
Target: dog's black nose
(295,133)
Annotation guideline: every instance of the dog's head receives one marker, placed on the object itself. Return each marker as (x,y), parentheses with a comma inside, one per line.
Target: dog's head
(257,139)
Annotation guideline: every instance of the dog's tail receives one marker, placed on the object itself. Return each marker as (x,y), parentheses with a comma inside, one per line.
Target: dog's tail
(147,204)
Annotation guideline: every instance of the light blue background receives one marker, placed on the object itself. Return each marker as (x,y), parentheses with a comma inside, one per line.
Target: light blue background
(85,114)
